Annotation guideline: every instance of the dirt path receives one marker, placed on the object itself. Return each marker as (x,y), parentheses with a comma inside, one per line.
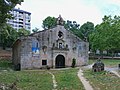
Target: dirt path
(54,81)
(84,81)
(116,73)
(113,70)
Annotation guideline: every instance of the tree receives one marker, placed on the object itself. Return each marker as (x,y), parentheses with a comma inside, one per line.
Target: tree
(5,7)
(49,22)
(114,36)
(35,30)
(85,30)
(73,26)
(70,25)
(98,39)
(23,32)
(8,36)
(106,35)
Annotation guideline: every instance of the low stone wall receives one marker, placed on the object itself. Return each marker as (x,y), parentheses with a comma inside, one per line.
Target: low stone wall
(6,54)
(104,57)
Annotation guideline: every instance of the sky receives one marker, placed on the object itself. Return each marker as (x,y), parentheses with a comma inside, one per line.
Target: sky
(80,11)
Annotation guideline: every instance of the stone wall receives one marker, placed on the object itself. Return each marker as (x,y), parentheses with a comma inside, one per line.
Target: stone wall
(46,45)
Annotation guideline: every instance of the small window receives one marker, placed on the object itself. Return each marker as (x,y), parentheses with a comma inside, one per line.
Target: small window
(44,62)
(60,34)
(37,44)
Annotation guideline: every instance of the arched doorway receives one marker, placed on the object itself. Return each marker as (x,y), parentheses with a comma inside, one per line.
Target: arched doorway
(60,61)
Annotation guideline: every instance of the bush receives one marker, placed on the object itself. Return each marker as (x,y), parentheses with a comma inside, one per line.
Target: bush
(73,62)
(47,67)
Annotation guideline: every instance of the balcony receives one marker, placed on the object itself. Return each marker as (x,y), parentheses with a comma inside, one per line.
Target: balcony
(60,48)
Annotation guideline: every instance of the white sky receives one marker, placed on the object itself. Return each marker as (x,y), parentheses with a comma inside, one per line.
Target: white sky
(74,10)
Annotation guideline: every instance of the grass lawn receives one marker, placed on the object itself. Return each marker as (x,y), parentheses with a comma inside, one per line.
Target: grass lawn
(28,80)
(42,80)
(68,80)
(102,80)
(39,80)
(5,64)
(107,62)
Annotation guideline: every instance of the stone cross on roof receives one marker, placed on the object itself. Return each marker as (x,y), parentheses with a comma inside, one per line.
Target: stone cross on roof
(60,20)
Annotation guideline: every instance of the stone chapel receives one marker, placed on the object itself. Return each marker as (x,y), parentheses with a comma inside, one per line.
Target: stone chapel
(55,48)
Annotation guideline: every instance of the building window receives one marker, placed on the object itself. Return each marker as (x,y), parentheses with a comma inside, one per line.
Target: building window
(35,47)
(44,62)
(28,27)
(35,44)
(60,34)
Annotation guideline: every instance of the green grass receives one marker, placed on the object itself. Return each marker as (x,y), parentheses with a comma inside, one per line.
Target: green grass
(5,64)
(102,80)
(68,80)
(42,80)
(28,80)
(107,62)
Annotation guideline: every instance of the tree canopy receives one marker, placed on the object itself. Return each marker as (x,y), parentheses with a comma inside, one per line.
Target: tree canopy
(86,29)
(5,7)
(35,30)
(9,35)
(49,22)
(23,32)
(106,35)
(6,31)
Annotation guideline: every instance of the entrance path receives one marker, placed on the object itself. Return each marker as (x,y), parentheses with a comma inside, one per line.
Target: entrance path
(54,81)
(84,81)
(113,70)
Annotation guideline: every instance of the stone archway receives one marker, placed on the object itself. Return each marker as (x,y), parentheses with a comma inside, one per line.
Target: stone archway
(60,61)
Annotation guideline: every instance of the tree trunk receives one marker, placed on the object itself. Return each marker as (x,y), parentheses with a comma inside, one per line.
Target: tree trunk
(3,46)
(112,54)
(94,57)
(101,54)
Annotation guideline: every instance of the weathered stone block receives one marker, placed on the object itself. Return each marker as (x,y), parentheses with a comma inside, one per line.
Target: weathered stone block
(98,66)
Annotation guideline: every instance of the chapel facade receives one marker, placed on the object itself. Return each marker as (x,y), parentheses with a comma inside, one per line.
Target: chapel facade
(55,48)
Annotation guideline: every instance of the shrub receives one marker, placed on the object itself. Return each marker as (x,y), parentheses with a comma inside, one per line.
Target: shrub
(73,62)
(47,67)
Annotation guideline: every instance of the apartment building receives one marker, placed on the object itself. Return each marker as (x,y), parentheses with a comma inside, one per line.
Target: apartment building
(22,19)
